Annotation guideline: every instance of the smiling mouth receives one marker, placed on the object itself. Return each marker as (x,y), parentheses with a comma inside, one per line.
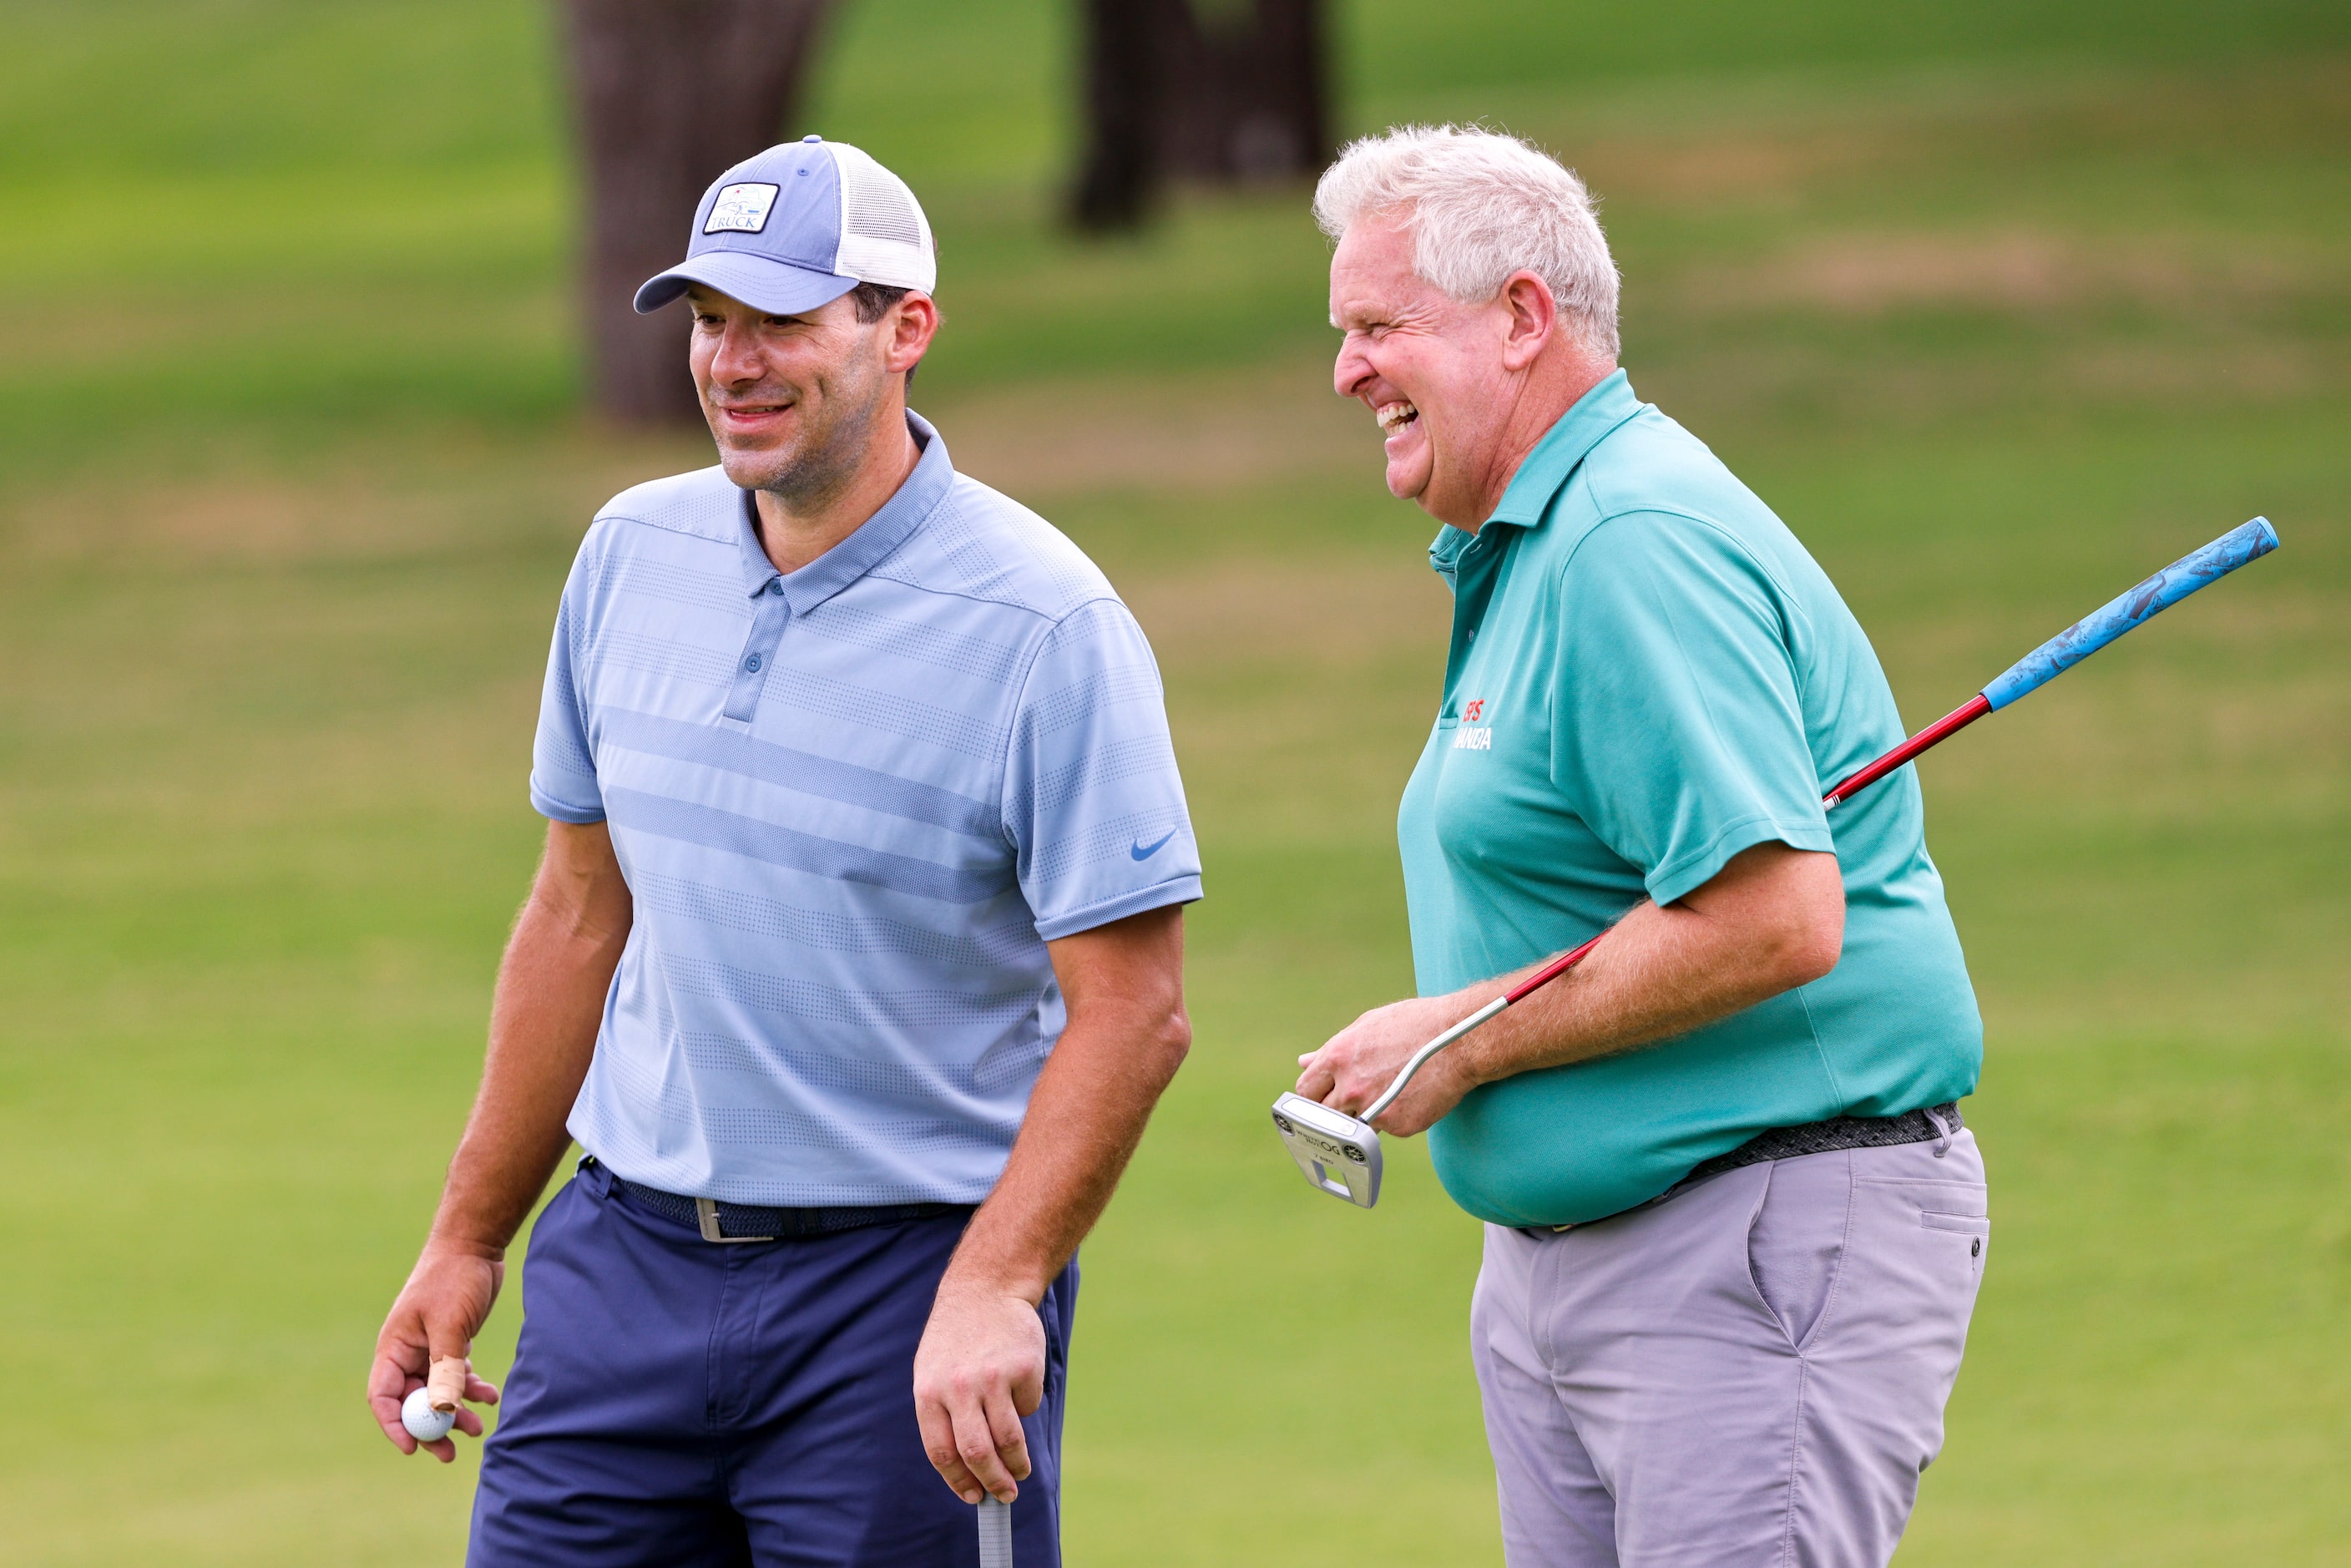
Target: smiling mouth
(1395,417)
(752,410)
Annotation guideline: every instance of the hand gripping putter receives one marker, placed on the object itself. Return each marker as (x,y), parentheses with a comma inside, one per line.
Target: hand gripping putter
(1341,1154)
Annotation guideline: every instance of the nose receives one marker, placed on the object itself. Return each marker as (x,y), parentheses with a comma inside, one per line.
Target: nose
(737,358)
(1353,368)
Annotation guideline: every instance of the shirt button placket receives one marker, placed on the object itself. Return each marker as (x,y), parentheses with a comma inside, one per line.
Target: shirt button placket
(770,612)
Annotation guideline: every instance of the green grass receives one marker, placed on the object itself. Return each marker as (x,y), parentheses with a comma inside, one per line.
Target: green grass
(1999,305)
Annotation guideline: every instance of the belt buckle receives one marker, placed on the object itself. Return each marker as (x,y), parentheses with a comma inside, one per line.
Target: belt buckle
(706,1210)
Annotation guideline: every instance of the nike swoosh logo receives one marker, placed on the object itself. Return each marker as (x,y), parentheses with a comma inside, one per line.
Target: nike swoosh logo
(1141,853)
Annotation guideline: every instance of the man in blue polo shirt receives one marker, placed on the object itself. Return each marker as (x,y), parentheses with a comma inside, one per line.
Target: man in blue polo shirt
(1734,1226)
(853,964)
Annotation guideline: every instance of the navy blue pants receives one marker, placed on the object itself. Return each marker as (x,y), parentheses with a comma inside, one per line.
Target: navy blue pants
(677,1402)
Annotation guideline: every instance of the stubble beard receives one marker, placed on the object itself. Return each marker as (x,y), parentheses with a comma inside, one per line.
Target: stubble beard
(833,443)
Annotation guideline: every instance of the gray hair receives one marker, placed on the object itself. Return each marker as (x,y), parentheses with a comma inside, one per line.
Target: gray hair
(1480,206)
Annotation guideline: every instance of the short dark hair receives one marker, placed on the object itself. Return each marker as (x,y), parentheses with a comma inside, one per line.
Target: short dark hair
(872,301)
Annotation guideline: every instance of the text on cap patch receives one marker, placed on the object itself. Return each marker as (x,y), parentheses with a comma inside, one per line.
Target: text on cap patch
(741,209)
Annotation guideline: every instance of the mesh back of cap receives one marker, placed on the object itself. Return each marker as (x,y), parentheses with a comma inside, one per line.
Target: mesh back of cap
(874,209)
(884,237)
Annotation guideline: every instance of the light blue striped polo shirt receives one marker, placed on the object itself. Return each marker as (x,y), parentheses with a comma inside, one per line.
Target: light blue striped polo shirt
(852,805)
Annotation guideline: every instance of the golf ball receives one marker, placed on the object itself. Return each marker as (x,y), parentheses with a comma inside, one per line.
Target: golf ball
(425,1423)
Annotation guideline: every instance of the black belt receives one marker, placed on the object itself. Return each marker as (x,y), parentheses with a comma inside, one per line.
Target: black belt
(1837,1133)
(1807,1138)
(735,1222)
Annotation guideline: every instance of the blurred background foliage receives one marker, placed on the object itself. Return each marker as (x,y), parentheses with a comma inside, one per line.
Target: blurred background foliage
(2000,305)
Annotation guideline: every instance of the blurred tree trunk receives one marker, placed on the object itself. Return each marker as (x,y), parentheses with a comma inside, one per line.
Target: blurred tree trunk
(668,94)
(1219,91)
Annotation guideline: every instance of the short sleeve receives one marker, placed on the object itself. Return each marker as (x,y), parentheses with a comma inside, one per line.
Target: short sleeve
(1677,730)
(1092,803)
(563,783)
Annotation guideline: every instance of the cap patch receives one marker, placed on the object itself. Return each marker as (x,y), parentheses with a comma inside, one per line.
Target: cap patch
(742,209)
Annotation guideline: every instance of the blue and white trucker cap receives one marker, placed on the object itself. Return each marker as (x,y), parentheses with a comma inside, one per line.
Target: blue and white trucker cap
(797,225)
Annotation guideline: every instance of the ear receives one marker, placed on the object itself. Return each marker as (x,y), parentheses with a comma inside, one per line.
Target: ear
(1534,318)
(914,323)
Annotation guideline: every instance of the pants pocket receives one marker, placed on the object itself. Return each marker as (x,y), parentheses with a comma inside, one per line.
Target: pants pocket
(1795,1246)
(1965,1223)
(1949,1222)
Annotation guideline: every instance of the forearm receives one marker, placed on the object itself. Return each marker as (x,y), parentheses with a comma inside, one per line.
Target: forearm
(1660,973)
(551,995)
(1085,1118)
(1126,1035)
(548,1004)
(1771,920)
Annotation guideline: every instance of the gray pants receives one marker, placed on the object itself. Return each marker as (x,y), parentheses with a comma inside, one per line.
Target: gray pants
(1750,1375)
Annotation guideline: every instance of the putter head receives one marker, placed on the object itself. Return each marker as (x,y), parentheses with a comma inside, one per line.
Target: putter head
(1338,1154)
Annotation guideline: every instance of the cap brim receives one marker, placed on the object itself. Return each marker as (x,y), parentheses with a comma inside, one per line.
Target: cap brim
(776,286)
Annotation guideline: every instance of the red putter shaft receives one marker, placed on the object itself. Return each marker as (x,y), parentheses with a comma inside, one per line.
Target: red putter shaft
(1951,724)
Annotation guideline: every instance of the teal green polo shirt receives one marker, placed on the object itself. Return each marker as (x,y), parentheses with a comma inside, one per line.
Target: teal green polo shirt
(1648,674)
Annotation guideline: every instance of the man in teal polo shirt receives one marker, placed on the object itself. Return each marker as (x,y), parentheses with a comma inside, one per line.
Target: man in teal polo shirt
(1734,1226)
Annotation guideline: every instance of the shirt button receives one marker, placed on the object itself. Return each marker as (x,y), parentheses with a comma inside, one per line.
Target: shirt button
(777,588)
(752,663)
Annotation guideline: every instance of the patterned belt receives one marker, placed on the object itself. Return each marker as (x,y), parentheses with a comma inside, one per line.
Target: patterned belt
(740,1222)
(1837,1133)
(1929,1125)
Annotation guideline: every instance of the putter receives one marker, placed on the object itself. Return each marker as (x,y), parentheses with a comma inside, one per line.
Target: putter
(995,1533)
(1340,1153)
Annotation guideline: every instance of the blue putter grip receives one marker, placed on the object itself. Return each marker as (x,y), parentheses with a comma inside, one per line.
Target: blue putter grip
(2165,589)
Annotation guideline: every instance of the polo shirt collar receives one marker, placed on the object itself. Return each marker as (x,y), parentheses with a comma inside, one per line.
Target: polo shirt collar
(868,545)
(1608,404)
(1527,500)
